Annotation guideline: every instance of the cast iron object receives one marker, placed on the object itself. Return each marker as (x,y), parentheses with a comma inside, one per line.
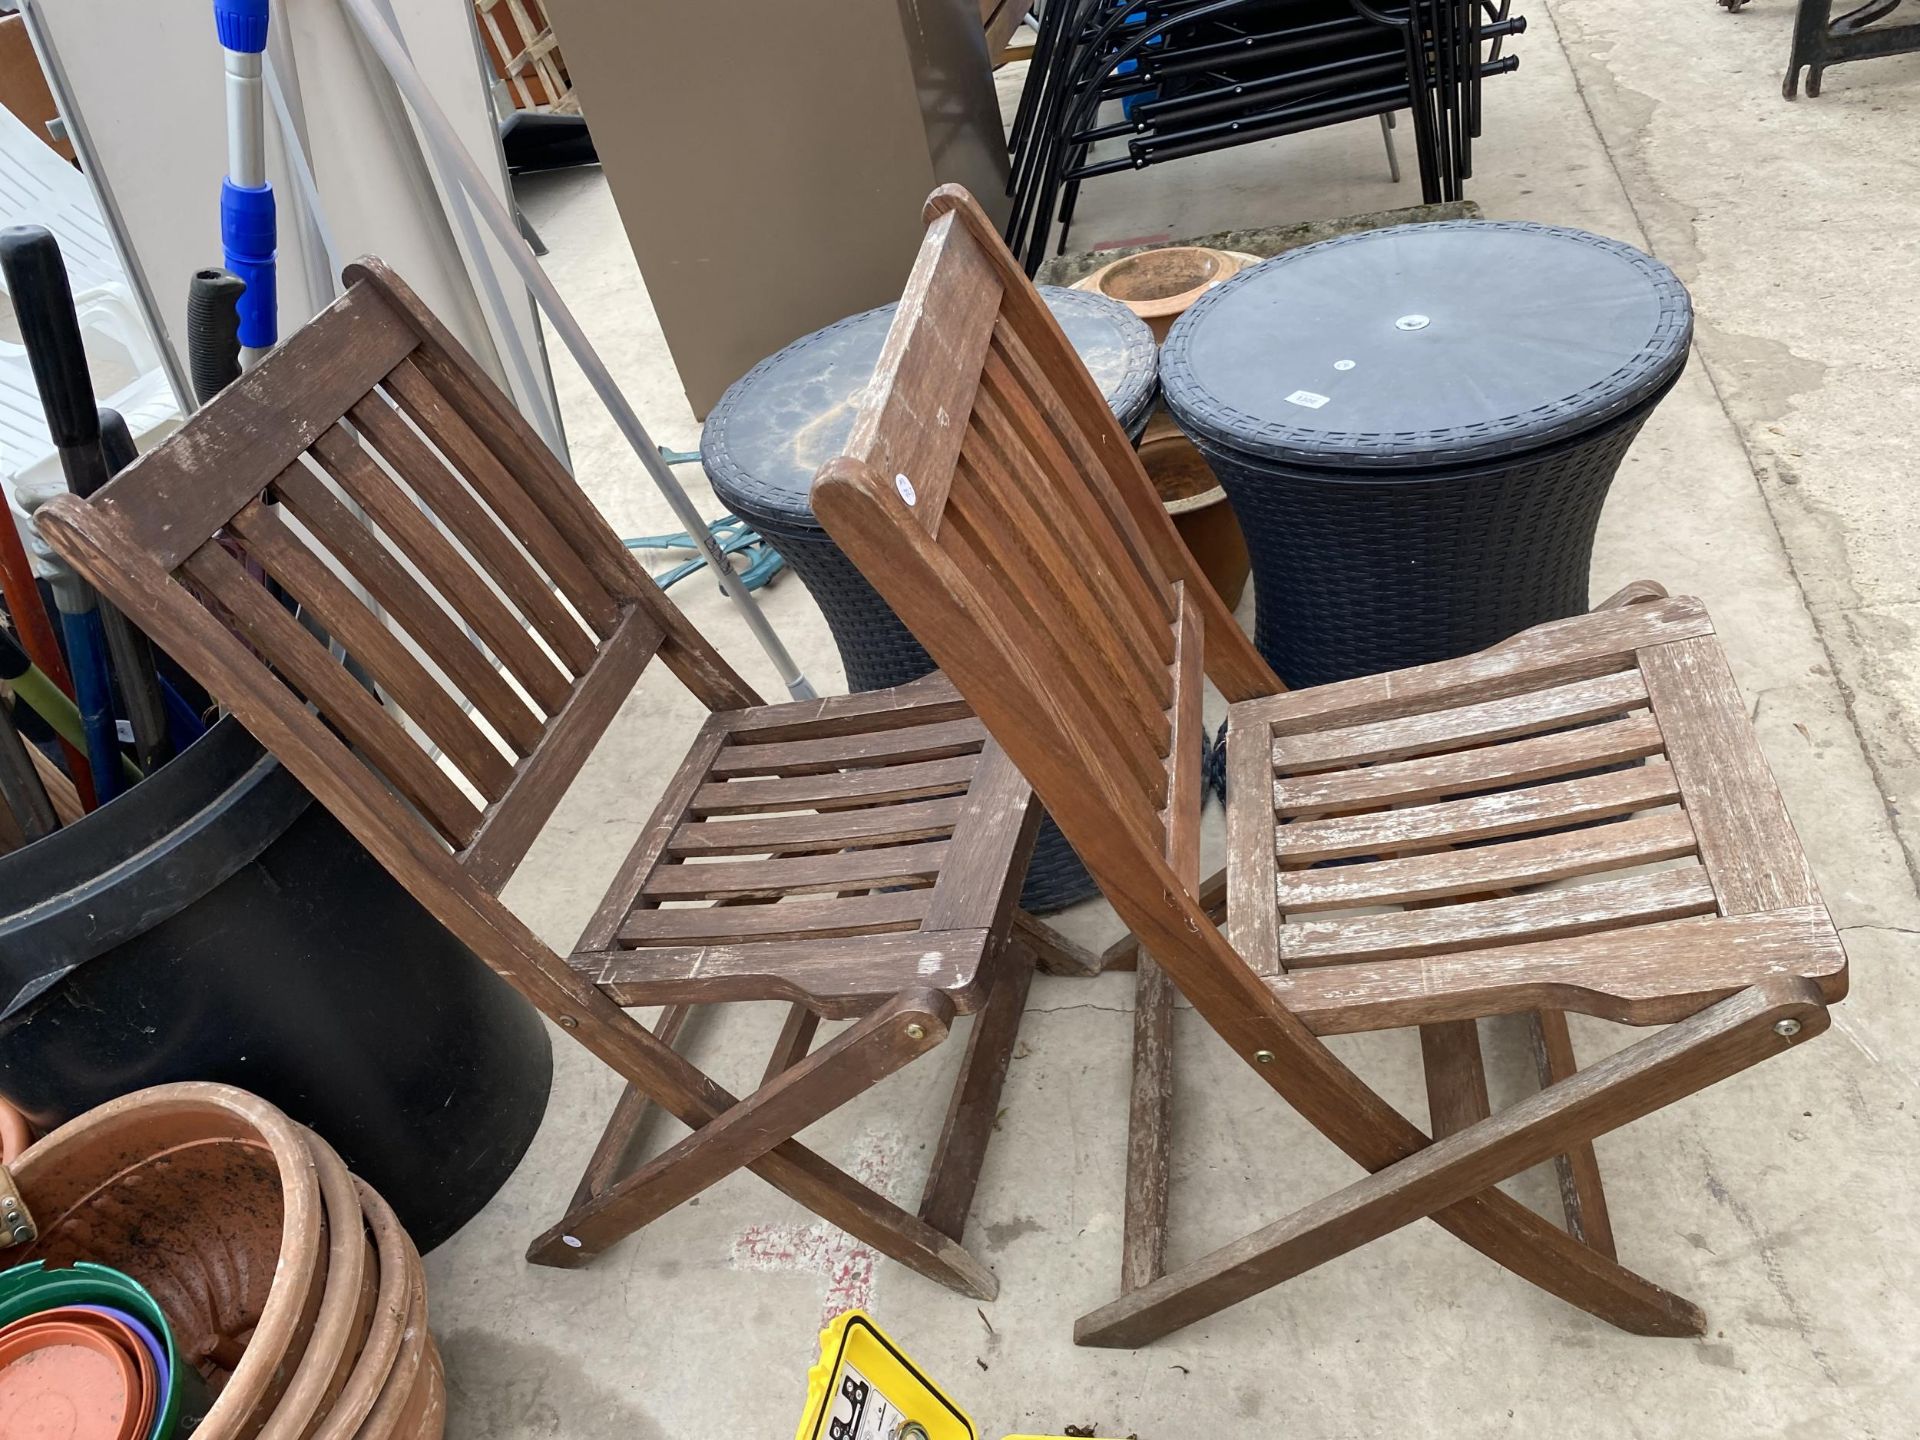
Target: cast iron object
(1821,38)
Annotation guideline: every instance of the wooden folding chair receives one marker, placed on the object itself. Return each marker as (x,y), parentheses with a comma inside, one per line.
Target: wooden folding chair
(857,857)
(1578,819)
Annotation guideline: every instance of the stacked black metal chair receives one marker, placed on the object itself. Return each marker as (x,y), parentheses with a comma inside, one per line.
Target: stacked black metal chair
(1116,85)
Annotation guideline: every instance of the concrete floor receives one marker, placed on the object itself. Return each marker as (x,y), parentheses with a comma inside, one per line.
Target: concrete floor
(1770,482)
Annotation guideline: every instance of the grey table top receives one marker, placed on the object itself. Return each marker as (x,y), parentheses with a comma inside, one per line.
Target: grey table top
(1426,345)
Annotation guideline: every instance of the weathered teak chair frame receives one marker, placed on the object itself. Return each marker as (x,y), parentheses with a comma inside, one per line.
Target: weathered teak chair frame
(994,502)
(894,833)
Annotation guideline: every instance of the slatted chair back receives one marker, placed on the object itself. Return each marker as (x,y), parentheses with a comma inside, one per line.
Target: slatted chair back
(1068,604)
(511,621)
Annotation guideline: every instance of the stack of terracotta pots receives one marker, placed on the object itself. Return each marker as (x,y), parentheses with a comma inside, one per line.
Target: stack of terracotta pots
(286,1283)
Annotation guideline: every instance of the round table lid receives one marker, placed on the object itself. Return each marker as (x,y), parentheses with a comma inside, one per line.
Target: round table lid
(785,418)
(1426,344)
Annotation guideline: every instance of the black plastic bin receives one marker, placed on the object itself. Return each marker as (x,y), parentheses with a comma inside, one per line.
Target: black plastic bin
(213,923)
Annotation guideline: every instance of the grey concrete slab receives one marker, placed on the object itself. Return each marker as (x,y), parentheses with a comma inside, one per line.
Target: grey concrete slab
(1771,482)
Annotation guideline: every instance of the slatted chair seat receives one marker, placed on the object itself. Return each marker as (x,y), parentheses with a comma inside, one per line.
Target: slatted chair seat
(1576,820)
(856,858)
(810,851)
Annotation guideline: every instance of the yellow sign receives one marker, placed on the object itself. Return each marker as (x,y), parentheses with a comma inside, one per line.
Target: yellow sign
(865,1388)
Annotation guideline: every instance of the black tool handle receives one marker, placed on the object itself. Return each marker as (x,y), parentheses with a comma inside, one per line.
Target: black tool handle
(43,309)
(13,660)
(131,651)
(213,331)
(116,442)
(21,788)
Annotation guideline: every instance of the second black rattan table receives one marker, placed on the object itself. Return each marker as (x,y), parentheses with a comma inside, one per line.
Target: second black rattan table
(1418,426)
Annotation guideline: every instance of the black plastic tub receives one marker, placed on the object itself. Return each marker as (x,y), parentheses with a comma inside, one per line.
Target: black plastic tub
(213,923)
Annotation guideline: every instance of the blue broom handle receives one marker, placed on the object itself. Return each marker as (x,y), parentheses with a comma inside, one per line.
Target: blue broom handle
(247,222)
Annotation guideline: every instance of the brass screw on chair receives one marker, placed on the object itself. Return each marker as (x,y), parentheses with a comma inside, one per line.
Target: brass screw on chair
(915,1031)
(1265,1057)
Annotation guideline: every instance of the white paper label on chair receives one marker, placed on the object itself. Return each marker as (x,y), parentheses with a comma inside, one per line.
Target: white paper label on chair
(1307,398)
(905,487)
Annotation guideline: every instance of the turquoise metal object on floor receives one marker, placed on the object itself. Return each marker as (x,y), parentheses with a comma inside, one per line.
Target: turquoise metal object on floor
(734,537)
(732,534)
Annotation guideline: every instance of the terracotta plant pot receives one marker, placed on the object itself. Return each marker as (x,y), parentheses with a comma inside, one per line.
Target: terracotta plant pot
(1193,497)
(405,1403)
(147,1362)
(288,1281)
(209,1197)
(58,1378)
(394,1271)
(345,1315)
(1159,285)
(14,1134)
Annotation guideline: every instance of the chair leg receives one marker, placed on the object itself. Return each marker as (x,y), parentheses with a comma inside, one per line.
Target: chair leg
(691,1096)
(1143,1252)
(632,1117)
(1124,953)
(851,1063)
(1456,1076)
(796,1039)
(962,1150)
(1052,951)
(1393,155)
(1450,1178)
(1578,1168)
(1457,1098)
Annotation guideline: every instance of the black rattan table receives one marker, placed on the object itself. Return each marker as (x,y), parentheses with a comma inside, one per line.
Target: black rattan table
(1417,428)
(793,412)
